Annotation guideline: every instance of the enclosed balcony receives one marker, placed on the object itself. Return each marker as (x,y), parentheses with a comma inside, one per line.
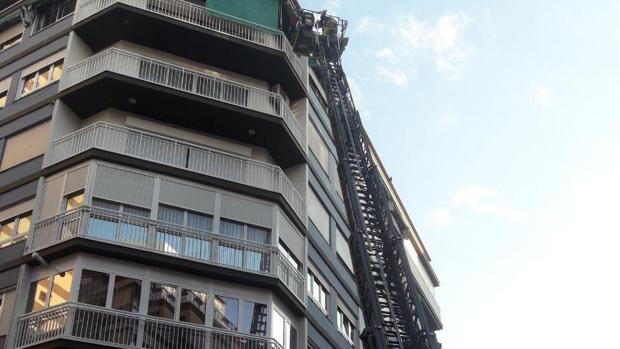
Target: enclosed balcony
(169,92)
(190,30)
(92,326)
(153,236)
(218,165)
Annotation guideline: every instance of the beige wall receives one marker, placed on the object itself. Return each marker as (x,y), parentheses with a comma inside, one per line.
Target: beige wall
(189,64)
(25,146)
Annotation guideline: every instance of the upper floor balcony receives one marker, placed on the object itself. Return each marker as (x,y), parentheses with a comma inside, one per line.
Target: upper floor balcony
(167,151)
(165,91)
(192,31)
(148,235)
(94,326)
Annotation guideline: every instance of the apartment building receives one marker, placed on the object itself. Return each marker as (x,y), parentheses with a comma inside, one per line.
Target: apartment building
(169,179)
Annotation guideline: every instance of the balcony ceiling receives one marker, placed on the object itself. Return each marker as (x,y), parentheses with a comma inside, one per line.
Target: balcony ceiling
(184,109)
(122,22)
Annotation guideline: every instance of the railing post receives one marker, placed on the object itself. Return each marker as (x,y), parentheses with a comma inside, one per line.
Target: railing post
(68,330)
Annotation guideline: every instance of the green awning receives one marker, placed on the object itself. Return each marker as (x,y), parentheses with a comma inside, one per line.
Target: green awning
(263,13)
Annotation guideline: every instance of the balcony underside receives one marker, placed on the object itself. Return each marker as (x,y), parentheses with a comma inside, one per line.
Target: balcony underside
(122,22)
(111,90)
(79,244)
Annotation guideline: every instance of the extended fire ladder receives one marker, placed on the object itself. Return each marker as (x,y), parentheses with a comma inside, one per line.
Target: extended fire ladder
(391,299)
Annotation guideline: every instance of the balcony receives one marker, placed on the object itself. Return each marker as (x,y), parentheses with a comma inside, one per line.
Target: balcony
(96,326)
(165,91)
(189,30)
(125,230)
(153,148)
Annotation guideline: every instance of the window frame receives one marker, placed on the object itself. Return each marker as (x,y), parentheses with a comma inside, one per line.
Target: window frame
(286,320)
(311,281)
(49,287)
(245,230)
(15,40)
(50,72)
(341,316)
(289,255)
(15,237)
(53,5)
(186,212)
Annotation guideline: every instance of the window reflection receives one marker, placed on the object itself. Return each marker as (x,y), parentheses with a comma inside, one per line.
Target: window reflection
(193,306)
(93,287)
(162,300)
(225,313)
(254,318)
(126,294)
(37,296)
(61,288)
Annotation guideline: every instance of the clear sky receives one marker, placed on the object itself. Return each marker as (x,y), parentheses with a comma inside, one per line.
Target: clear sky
(499,122)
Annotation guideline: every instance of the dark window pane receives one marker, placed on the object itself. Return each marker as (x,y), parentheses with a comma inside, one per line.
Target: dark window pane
(199,221)
(170,215)
(126,294)
(137,211)
(293,338)
(193,306)
(106,205)
(162,300)
(93,287)
(254,318)
(225,313)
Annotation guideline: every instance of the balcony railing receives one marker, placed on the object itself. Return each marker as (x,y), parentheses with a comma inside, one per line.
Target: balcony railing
(171,152)
(170,239)
(179,78)
(199,16)
(102,326)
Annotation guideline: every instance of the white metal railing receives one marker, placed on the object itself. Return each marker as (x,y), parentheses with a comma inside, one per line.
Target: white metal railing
(165,238)
(172,152)
(103,326)
(199,16)
(174,76)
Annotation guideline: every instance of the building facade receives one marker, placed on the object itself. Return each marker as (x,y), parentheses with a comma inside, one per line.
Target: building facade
(168,179)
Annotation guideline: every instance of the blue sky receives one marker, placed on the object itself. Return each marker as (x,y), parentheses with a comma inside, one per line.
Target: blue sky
(499,122)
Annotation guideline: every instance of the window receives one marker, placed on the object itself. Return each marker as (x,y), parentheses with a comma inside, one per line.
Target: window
(126,294)
(318,147)
(225,313)
(254,318)
(41,78)
(193,307)
(15,229)
(286,252)
(51,12)
(342,248)
(234,254)
(11,36)
(282,331)
(3,99)
(317,291)
(25,146)
(61,288)
(118,222)
(319,95)
(345,326)
(50,291)
(93,288)
(170,241)
(318,214)
(74,201)
(162,300)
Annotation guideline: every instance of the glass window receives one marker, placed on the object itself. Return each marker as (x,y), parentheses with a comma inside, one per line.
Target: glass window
(318,147)
(232,229)
(61,288)
(23,224)
(260,235)
(317,291)
(170,215)
(37,296)
(193,307)
(286,252)
(199,221)
(345,326)
(51,12)
(162,300)
(6,230)
(11,42)
(93,287)
(254,318)
(74,201)
(225,313)
(3,99)
(283,332)
(126,294)
(41,77)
